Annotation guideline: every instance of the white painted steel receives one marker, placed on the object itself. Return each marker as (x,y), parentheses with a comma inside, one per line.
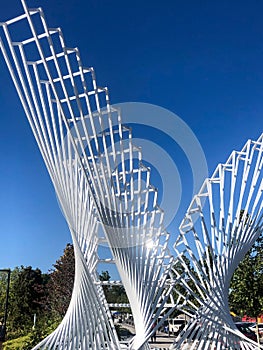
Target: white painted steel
(222,223)
(99,178)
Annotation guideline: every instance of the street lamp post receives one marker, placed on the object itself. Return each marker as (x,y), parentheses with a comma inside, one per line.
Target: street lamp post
(3,327)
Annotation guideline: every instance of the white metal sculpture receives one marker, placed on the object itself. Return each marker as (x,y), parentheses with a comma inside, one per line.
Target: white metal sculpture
(222,223)
(99,178)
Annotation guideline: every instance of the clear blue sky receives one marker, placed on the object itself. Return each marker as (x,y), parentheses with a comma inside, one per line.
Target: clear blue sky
(203,60)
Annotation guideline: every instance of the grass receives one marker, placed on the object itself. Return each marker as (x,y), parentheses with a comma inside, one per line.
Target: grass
(16,344)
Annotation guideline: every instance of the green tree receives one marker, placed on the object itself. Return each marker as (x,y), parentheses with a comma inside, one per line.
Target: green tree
(3,285)
(61,282)
(187,274)
(118,295)
(114,294)
(45,295)
(105,277)
(247,283)
(27,296)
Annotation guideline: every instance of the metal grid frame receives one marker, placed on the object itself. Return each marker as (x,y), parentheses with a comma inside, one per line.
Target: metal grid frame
(99,178)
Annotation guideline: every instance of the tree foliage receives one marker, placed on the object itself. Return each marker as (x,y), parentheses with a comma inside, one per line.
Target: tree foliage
(27,297)
(114,294)
(61,282)
(43,296)
(189,275)
(3,291)
(246,286)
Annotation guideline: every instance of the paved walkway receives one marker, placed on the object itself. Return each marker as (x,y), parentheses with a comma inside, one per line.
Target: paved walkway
(163,341)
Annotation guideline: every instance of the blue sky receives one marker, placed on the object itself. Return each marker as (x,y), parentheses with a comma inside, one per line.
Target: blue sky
(202,60)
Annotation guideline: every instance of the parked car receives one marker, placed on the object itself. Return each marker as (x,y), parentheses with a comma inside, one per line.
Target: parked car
(260,329)
(247,324)
(243,328)
(124,334)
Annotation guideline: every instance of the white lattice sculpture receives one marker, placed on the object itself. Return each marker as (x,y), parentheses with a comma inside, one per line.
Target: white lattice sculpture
(99,178)
(222,223)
